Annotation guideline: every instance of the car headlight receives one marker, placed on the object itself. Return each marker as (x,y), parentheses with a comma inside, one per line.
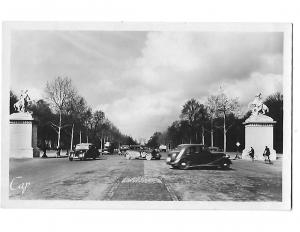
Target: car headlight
(227,156)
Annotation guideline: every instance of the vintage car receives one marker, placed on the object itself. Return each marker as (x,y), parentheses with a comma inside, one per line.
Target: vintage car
(195,155)
(84,151)
(162,148)
(123,149)
(140,152)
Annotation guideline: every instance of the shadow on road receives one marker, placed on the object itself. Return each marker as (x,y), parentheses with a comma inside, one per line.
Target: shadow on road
(86,160)
(206,168)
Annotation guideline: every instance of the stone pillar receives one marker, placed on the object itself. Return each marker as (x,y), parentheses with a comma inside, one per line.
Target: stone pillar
(259,134)
(20,136)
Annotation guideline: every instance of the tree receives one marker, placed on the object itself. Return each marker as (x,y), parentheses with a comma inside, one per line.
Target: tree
(96,122)
(275,105)
(13,100)
(191,112)
(154,140)
(226,106)
(43,115)
(130,141)
(203,117)
(212,111)
(60,93)
(173,133)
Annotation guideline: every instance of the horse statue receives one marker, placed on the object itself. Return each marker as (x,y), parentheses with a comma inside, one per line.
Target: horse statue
(257,106)
(21,105)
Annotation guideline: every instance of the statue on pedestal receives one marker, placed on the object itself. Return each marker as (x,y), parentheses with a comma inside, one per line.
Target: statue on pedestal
(23,130)
(22,104)
(257,106)
(258,131)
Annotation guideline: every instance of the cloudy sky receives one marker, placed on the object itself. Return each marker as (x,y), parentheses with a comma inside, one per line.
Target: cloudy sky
(142,79)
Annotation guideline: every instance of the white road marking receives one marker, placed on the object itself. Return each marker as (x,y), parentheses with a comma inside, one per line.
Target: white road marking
(142,180)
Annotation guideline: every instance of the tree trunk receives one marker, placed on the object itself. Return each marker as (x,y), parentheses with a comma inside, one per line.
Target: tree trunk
(202,134)
(211,133)
(59,130)
(224,129)
(71,147)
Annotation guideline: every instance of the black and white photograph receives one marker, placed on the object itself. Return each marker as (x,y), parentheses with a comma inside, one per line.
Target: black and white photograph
(147,115)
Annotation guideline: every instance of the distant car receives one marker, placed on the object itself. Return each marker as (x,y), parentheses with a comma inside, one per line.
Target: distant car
(84,151)
(194,155)
(163,148)
(124,148)
(140,152)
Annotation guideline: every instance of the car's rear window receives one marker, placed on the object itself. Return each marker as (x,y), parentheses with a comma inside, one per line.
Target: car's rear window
(82,146)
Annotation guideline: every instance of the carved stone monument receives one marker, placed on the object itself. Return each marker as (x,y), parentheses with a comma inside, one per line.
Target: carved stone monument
(258,131)
(23,131)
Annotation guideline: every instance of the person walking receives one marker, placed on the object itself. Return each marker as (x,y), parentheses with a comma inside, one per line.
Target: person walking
(237,156)
(58,152)
(44,150)
(251,153)
(267,155)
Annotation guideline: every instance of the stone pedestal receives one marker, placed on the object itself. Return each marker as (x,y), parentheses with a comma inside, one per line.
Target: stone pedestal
(20,136)
(259,134)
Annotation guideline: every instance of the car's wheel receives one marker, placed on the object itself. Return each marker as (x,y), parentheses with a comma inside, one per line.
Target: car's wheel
(148,156)
(158,158)
(70,158)
(184,165)
(143,154)
(127,156)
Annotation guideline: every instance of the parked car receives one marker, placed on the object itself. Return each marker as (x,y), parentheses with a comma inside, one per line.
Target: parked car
(194,155)
(84,151)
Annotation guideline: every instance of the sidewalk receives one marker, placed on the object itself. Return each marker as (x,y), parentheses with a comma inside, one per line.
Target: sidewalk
(233,154)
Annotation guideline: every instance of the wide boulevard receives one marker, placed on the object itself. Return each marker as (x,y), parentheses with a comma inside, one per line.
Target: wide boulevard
(112,177)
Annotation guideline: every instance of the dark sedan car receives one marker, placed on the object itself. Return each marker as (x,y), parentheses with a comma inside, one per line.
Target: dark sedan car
(84,151)
(194,155)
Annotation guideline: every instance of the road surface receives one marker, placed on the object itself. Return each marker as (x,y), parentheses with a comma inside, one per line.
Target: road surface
(114,178)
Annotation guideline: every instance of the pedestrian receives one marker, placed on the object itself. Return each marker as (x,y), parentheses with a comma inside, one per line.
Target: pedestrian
(251,153)
(58,152)
(237,156)
(44,150)
(267,155)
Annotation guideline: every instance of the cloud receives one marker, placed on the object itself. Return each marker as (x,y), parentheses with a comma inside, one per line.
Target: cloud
(176,66)
(142,79)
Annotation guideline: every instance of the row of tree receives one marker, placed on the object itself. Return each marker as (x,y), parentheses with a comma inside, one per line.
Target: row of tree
(64,118)
(217,122)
